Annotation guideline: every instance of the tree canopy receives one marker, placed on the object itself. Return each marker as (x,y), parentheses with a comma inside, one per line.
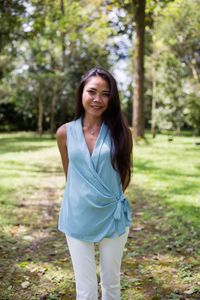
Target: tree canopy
(45,47)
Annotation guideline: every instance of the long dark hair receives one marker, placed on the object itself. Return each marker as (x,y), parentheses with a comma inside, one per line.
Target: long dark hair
(121,139)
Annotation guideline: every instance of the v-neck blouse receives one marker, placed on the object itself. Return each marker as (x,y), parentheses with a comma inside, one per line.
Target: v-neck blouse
(97,139)
(94,205)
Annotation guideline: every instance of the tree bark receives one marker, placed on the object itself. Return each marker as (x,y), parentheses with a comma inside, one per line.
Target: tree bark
(193,66)
(53,108)
(62,8)
(138,96)
(40,110)
(153,104)
(63,102)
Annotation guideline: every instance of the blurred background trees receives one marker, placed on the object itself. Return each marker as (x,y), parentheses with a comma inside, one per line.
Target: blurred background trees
(45,47)
(177,48)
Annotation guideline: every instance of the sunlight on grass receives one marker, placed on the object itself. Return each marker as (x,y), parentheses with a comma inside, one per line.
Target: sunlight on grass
(161,258)
(171,169)
(23,168)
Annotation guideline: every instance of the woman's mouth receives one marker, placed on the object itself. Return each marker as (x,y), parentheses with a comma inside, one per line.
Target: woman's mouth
(96,107)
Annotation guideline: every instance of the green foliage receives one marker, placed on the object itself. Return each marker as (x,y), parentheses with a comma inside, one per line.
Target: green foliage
(178,29)
(170,95)
(59,45)
(192,112)
(176,49)
(11,19)
(45,47)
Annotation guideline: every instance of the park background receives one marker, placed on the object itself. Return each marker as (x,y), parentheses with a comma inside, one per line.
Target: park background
(153,49)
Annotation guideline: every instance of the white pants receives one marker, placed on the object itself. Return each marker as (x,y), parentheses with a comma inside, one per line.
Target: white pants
(84,265)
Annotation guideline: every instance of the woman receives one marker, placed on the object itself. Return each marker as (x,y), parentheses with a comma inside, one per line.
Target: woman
(96,151)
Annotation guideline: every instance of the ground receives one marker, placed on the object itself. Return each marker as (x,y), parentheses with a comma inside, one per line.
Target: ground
(162,256)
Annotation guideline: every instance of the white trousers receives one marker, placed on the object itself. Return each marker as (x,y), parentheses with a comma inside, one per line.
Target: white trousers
(84,265)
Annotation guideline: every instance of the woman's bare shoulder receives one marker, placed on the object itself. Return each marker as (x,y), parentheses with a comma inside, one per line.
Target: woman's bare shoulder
(61,131)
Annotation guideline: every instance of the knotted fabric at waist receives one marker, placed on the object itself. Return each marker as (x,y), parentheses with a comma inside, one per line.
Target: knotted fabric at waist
(122,203)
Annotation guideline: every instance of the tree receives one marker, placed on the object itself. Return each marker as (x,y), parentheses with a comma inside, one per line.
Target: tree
(11,19)
(138,98)
(177,41)
(60,42)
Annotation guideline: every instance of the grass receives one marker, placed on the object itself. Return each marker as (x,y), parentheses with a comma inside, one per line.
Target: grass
(162,255)
(172,171)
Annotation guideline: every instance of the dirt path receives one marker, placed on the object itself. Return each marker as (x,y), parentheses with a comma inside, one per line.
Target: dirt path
(33,250)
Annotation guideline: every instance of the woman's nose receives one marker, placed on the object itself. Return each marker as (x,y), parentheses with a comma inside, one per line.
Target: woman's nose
(97,98)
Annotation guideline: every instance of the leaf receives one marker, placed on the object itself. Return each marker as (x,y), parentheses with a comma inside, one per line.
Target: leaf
(139,228)
(28,238)
(25,284)
(190,291)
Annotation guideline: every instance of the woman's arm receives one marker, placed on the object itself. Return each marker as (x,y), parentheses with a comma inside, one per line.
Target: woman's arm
(127,179)
(61,137)
(126,183)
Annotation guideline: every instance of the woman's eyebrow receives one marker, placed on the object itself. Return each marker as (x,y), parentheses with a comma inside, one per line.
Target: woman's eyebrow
(92,88)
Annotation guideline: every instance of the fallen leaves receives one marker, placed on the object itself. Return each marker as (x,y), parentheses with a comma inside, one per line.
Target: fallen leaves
(25,284)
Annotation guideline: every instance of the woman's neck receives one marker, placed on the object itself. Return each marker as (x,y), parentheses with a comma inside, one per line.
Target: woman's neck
(90,121)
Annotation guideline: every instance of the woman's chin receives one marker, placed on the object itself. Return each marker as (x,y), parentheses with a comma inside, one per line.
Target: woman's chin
(95,113)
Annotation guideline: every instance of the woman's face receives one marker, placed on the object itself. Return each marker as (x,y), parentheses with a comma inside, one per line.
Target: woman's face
(95,97)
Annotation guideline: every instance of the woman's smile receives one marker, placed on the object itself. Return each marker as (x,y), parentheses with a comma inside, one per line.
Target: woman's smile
(95,98)
(96,107)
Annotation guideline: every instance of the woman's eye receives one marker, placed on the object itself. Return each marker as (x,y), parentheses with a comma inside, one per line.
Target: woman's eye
(91,92)
(106,95)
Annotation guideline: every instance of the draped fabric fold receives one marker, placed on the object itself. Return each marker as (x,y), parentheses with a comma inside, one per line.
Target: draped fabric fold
(93,205)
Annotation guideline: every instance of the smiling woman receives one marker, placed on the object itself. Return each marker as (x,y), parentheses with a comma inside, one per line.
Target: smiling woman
(96,154)
(95,97)
(95,101)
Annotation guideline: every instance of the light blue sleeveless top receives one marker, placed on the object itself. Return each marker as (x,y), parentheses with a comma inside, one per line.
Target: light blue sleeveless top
(93,206)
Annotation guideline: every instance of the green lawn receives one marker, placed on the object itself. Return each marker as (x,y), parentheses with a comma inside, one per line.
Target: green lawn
(171,170)
(162,256)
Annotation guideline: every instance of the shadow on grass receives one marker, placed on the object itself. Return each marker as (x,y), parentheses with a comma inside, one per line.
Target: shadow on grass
(32,167)
(40,262)
(159,250)
(23,143)
(172,182)
(33,251)
(163,250)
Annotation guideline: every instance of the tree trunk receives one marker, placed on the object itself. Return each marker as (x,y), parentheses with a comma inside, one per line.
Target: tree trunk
(153,105)
(194,68)
(138,96)
(40,110)
(63,102)
(53,107)
(62,8)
